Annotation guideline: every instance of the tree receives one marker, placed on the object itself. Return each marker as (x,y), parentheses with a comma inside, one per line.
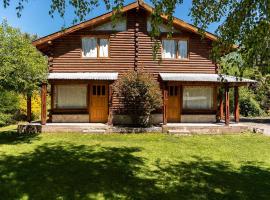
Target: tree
(254,100)
(246,24)
(23,68)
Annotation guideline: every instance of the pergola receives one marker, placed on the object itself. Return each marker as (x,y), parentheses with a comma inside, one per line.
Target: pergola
(223,81)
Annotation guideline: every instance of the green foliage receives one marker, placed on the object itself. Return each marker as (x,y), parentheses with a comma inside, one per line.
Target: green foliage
(254,100)
(9,105)
(23,68)
(246,23)
(249,106)
(140,94)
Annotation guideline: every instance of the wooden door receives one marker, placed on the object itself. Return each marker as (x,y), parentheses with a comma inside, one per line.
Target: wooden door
(173,110)
(99,102)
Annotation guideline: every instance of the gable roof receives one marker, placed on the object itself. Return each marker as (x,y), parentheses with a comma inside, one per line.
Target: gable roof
(107,16)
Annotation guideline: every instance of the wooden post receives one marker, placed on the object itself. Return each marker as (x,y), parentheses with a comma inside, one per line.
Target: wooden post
(29,111)
(165,98)
(43,103)
(236,104)
(227,105)
(110,116)
(221,106)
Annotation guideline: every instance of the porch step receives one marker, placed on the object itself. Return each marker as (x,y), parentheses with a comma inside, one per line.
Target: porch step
(179,132)
(78,128)
(94,131)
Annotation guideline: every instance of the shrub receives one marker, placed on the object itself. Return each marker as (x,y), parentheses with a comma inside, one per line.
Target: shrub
(9,106)
(248,104)
(35,106)
(140,95)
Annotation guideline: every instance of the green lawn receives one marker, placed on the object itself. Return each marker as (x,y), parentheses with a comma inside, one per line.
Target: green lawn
(143,166)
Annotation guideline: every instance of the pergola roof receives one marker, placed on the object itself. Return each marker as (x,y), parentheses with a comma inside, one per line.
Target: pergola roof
(208,78)
(83,76)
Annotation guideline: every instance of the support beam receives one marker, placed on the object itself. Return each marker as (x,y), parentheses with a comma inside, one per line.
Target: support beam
(29,107)
(165,100)
(227,105)
(236,104)
(221,106)
(43,103)
(110,116)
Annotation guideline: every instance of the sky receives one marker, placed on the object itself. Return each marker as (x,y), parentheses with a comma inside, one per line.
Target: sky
(36,20)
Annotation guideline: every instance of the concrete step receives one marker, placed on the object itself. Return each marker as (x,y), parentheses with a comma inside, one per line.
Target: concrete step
(179,132)
(94,131)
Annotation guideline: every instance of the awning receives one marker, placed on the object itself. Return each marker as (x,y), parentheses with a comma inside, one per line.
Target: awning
(211,78)
(83,76)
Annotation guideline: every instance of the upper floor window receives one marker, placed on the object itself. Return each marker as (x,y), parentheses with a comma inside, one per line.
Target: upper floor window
(93,47)
(172,49)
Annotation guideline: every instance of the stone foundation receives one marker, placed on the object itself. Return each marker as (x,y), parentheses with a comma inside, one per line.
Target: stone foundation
(68,118)
(127,120)
(198,118)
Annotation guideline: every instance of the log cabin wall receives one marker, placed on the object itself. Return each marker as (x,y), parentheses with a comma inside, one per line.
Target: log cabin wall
(66,52)
(199,53)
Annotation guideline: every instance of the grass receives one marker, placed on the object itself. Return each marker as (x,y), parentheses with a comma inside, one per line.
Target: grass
(145,166)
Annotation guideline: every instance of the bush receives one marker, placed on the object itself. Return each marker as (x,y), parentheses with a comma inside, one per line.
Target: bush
(249,107)
(36,106)
(9,106)
(140,95)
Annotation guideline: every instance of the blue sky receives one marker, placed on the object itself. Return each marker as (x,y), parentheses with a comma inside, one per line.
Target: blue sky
(36,20)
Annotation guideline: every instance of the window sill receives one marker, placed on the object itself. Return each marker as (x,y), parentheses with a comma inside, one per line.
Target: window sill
(175,59)
(69,111)
(198,111)
(96,58)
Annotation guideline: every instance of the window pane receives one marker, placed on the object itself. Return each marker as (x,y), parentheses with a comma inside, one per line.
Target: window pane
(71,96)
(98,90)
(198,98)
(104,48)
(168,47)
(103,90)
(171,91)
(182,49)
(89,47)
(94,90)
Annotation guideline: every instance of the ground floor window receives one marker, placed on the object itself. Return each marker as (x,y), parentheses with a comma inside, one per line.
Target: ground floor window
(197,97)
(70,96)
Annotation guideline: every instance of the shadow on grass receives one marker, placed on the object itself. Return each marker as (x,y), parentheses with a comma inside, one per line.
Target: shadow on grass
(208,179)
(66,171)
(12,137)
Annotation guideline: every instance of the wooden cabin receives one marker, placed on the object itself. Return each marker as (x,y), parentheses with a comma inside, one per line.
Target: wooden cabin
(86,59)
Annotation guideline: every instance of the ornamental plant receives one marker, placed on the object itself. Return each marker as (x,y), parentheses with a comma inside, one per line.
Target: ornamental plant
(140,95)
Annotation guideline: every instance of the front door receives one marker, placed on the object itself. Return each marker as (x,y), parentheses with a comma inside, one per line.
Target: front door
(173,110)
(99,102)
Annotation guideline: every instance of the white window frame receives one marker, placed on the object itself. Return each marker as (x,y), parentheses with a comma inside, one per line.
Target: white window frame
(97,47)
(177,53)
(202,109)
(55,97)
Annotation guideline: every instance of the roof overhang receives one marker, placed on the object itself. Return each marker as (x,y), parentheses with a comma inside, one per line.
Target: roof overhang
(83,76)
(205,78)
(103,18)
